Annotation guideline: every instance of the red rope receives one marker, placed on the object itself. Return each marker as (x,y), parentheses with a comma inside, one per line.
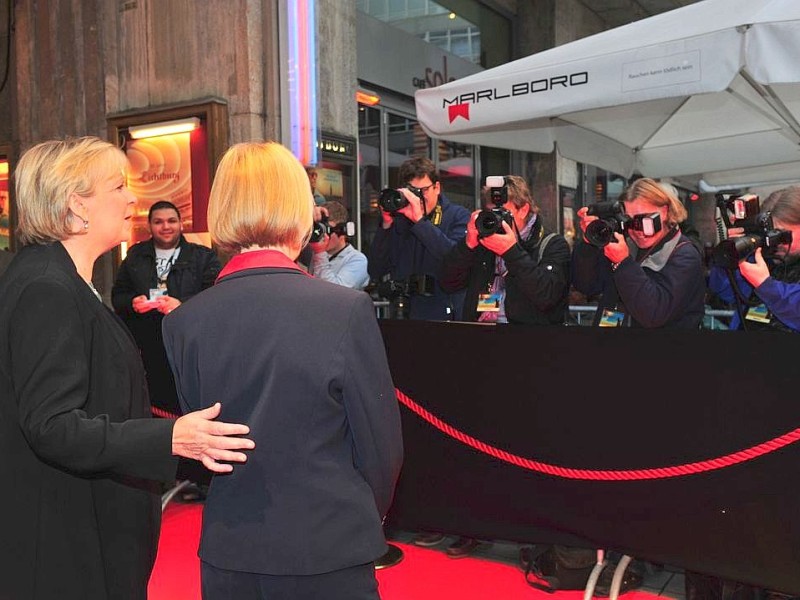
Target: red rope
(160,412)
(601,474)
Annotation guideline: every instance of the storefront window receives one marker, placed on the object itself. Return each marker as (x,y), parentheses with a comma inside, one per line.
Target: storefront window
(457,172)
(452,26)
(369,164)
(405,139)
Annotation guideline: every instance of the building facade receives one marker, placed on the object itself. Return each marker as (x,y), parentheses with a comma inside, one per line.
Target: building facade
(231,70)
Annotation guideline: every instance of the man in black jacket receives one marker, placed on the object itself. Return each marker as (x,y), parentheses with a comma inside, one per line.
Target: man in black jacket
(155,277)
(515,273)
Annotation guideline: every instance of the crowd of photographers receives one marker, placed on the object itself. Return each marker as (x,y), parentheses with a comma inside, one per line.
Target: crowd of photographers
(433,260)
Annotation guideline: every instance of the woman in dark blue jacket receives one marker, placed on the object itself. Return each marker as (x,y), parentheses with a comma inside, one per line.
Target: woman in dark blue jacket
(302,362)
(648,278)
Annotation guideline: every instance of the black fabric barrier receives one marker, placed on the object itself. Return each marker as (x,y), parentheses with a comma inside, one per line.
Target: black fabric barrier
(608,399)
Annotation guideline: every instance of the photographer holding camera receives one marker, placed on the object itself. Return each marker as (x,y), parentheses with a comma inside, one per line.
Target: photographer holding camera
(767,279)
(334,259)
(512,271)
(419,226)
(649,274)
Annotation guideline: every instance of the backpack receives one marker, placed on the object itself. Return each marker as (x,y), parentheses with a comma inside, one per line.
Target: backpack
(553,568)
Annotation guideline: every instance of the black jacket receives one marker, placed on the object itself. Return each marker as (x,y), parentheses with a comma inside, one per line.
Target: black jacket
(80,508)
(195,269)
(536,292)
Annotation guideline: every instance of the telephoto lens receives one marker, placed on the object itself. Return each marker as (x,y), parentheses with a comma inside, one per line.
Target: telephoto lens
(601,232)
(730,252)
(611,218)
(391,200)
(490,221)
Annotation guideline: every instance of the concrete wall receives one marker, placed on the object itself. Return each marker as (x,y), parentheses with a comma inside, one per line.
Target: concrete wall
(338,76)
(541,25)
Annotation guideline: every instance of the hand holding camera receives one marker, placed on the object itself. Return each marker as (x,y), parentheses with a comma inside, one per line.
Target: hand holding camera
(756,272)
(502,242)
(401,202)
(616,250)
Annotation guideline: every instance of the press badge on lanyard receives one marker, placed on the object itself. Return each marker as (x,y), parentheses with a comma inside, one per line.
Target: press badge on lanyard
(489,302)
(611,318)
(161,290)
(759,314)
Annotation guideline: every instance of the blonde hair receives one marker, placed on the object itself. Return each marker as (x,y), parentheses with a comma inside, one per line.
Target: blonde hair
(260,197)
(659,194)
(49,173)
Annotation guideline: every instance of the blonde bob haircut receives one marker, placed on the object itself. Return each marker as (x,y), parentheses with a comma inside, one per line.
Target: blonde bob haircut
(260,197)
(49,173)
(659,194)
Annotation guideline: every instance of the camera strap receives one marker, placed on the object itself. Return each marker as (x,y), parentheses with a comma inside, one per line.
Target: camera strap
(436,215)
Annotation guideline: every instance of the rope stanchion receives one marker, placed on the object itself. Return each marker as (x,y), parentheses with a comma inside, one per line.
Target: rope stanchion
(601,474)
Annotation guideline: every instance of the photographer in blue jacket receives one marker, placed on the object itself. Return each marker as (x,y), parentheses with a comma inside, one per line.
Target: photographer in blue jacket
(768,280)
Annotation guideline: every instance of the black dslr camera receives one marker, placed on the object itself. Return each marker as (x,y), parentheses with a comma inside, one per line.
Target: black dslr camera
(490,220)
(611,218)
(761,234)
(320,230)
(392,200)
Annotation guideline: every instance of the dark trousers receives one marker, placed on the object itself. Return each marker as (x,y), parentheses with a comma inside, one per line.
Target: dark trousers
(353,583)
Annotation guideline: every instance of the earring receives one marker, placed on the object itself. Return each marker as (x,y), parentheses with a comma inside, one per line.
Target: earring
(85,225)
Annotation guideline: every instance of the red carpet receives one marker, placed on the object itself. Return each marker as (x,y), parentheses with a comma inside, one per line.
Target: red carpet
(422,575)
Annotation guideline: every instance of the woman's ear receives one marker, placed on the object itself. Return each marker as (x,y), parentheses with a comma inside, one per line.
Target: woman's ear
(78,212)
(77,205)
(524,210)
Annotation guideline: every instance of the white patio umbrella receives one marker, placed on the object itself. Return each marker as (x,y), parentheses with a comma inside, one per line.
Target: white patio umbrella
(709,92)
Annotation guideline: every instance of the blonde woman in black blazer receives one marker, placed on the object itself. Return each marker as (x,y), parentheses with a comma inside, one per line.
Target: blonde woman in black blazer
(81,457)
(302,362)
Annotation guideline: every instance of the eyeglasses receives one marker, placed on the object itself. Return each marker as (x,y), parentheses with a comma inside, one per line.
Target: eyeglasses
(419,191)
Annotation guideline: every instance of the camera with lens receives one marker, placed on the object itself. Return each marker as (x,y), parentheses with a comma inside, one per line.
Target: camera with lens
(611,219)
(321,229)
(490,221)
(761,234)
(392,200)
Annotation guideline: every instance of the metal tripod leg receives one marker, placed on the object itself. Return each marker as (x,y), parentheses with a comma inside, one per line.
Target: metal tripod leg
(619,573)
(167,496)
(595,575)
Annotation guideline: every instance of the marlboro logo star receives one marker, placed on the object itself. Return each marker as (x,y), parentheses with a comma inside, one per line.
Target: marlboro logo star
(458,110)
